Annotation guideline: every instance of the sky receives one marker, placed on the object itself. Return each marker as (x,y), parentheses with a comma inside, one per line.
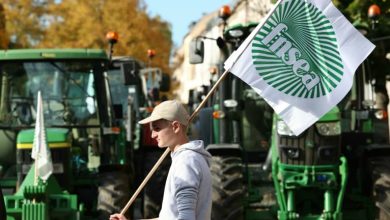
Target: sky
(181,13)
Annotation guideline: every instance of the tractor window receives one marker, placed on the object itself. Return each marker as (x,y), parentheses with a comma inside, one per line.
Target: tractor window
(118,89)
(67,89)
(121,92)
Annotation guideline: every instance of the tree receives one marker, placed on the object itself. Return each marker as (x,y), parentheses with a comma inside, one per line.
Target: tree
(25,21)
(3,33)
(84,24)
(378,31)
(357,12)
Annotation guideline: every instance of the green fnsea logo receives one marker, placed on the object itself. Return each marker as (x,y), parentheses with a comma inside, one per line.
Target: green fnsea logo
(296,51)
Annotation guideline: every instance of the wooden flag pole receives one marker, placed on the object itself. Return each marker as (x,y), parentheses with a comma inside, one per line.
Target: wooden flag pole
(161,159)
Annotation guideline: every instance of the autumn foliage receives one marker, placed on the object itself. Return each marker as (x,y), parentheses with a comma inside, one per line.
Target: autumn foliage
(3,34)
(84,24)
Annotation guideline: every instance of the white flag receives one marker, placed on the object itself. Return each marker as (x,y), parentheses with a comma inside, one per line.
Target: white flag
(40,151)
(301,60)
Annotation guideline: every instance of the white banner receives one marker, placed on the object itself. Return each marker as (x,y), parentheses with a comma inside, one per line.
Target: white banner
(40,151)
(301,60)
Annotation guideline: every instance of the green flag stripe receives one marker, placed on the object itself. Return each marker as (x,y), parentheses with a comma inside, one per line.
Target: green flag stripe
(327,61)
(290,86)
(264,70)
(323,92)
(326,57)
(298,90)
(265,65)
(280,83)
(279,79)
(302,91)
(278,75)
(262,56)
(327,83)
(325,86)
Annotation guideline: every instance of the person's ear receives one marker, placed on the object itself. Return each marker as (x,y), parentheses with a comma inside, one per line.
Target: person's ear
(176,126)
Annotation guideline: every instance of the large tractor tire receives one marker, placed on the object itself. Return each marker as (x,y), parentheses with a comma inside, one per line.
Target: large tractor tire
(154,190)
(380,169)
(113,193)
(228,190)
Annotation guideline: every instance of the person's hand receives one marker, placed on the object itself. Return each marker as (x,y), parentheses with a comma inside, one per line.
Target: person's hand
(117,217)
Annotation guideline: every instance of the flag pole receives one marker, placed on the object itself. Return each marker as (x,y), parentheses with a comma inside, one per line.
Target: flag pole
(212,90)
(161,159)
(35,173)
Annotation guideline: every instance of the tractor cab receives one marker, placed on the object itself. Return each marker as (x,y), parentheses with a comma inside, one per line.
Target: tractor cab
(81,132)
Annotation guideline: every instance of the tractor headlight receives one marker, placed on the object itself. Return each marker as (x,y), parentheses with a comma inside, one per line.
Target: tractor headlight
(283,129)
(236,33)
(329,128)
(381,114)
(230,103)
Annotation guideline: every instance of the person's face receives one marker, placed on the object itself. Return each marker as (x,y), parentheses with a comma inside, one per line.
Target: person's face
(164,132)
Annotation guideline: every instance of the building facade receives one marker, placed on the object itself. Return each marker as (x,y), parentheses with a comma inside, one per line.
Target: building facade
(193,76)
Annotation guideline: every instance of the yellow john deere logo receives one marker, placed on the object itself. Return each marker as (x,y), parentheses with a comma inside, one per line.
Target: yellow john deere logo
(296,51)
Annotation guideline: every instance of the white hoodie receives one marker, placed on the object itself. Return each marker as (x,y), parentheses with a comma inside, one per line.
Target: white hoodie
(187,193)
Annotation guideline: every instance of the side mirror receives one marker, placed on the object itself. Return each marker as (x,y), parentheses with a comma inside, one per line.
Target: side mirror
(130,73)
(196,51)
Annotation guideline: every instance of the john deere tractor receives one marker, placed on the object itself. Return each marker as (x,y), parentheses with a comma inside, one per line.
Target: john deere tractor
(336,169)
(91,160)
(138,91)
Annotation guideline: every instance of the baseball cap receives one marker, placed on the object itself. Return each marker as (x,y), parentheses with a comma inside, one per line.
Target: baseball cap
(171,110)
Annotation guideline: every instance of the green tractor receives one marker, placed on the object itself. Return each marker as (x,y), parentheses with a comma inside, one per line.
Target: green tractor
(137,91)
(336,169)
(91,162)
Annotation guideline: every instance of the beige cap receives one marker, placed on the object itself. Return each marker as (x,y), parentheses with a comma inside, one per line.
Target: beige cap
(171,110)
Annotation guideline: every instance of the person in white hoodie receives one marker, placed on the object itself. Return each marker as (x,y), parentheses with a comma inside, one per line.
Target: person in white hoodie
(187,193)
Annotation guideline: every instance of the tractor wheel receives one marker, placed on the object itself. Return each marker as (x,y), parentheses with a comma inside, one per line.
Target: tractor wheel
(228,190)
(154,190)
(113,193)
(380,168)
